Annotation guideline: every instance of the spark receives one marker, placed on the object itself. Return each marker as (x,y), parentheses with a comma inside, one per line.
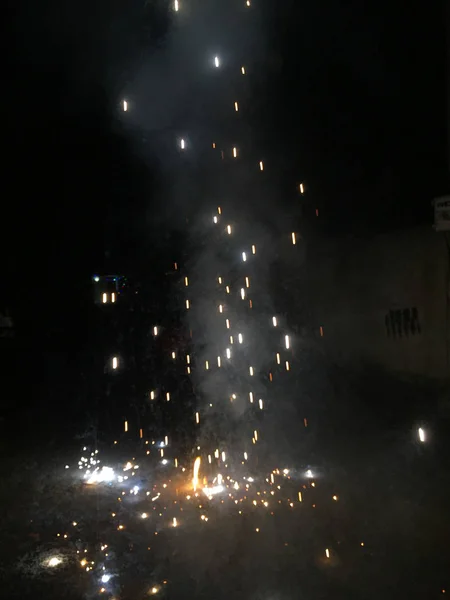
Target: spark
(274,321)
(261,165)
(244,257)
(253,249)
(213,491)
(182,144)
(54,561)
(228,352)
(176,6)
(287,342)
(234,152)
(301,187)
(243,70)
(125,106)
(236,107)
(294,241)
(229,229)
(106,474)
(240,338)
(216,61)
(422,436)
(196,470)
(114,362)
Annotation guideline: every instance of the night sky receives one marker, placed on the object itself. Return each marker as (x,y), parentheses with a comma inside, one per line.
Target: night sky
(350,99)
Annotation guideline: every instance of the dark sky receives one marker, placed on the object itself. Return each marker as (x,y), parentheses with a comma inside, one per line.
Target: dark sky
(349,97)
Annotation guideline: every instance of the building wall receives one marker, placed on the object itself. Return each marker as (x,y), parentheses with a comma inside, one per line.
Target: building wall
(384,301)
